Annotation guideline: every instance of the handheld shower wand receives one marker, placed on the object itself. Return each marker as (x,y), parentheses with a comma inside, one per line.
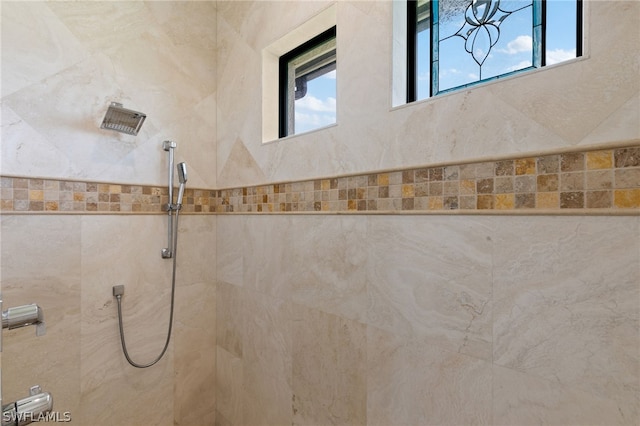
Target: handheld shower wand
(182,177)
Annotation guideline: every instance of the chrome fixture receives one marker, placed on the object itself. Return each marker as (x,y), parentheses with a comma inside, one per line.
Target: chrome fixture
(171,207)
(182,178)
(169,146)
(122,120)
(22,316)
(27,410)
(168,252)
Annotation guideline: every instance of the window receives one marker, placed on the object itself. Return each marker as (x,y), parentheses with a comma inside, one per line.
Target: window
(307,85)
(457,43)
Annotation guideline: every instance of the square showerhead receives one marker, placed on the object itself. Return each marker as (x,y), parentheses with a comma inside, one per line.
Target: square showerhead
(122,120)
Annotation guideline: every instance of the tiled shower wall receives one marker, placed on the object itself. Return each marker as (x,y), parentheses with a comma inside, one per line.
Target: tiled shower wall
(428,319)
(62,64)
(330,319)
(472,262)
(68,265)
(318,319)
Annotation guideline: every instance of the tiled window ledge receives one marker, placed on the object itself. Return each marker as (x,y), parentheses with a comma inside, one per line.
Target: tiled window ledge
(604,181)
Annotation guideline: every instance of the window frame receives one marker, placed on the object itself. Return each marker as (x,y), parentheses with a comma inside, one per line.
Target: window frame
(539,61)
(285,111)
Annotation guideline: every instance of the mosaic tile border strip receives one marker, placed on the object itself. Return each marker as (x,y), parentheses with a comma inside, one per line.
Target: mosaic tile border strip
(588,181)
(51,195)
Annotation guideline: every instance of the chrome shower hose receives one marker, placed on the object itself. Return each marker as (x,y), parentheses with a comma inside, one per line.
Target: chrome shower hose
(173,292)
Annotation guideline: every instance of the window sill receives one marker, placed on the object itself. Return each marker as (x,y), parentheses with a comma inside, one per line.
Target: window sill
(309,132)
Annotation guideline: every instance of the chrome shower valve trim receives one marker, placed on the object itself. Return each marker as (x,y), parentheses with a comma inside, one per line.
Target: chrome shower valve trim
(22,316)
(27,410)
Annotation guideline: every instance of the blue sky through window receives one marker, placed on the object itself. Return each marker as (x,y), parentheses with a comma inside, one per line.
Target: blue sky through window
(318,107)
(512,52)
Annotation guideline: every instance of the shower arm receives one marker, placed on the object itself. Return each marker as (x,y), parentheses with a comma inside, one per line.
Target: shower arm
(167,252)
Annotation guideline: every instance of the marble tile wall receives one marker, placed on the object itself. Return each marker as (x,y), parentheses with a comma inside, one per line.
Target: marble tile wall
(285,319)
(68,266)
(451,319)
(62,65)
(413,320)
(560,108)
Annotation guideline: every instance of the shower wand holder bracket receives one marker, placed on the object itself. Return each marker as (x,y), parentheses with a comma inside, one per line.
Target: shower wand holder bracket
(166,253)
(171,207)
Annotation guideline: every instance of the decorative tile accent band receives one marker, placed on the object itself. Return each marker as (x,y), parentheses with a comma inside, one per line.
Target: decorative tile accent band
(50,195)
(586,180)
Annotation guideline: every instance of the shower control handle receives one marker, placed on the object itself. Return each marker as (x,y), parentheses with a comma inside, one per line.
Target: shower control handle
(27,410)
(22,316)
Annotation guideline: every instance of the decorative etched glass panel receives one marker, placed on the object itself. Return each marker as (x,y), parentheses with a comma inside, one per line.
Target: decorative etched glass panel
(481,39)
(456,43)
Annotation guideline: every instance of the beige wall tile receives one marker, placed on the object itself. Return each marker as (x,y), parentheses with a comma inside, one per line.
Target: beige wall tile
(525,399)
(229,254)
(194,354)
(412,382)
(337,282)
(267,245)
(431,279)
(329,370)
(267,336)
(229,385)
(267,400)
(43,268)
(560,311)
(230,302)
